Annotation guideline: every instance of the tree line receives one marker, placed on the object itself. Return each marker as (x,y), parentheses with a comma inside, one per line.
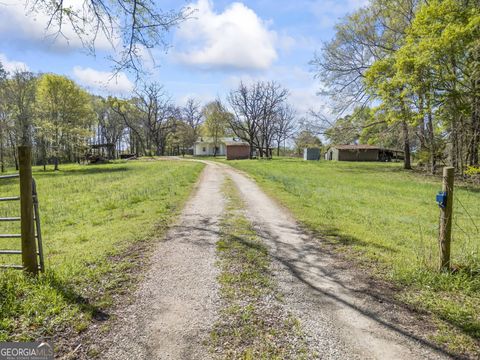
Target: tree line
(408,74)
(65,123)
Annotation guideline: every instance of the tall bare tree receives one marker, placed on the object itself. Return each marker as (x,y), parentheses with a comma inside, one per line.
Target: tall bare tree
(193,117)
(135,26)
(285,125)
(255,110)
(156,111)
(110,127)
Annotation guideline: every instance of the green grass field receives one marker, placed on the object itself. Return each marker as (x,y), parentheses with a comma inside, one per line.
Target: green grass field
(93,217)
(388,218)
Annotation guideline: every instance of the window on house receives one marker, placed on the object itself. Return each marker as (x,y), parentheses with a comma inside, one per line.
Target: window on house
(204,149)
(217,149)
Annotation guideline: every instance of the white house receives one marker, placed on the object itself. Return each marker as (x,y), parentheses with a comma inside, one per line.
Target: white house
(205,146)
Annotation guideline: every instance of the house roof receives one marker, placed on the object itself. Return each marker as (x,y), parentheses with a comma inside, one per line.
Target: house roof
(362,147)
(229,141)
(209,140)
(236,143)
(356,147)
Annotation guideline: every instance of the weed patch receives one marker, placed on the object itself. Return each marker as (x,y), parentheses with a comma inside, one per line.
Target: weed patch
(253,323)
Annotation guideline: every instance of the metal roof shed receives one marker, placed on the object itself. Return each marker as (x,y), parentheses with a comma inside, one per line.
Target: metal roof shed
(311,154)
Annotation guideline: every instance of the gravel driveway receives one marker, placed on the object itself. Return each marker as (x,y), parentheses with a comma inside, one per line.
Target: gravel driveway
(175,306)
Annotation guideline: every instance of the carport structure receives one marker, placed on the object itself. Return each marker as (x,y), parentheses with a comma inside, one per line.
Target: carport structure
(362,152)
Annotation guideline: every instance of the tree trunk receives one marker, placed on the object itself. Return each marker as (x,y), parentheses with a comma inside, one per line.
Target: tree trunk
(44,155)
(475,125)
(55,163)
(423,126)
(431,140)
(453,148)
(406,146)
(14,150)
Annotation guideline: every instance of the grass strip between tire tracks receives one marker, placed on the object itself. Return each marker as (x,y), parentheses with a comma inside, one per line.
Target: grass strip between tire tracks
(253,323)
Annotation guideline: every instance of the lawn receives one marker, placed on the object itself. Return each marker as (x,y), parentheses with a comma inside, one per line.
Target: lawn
(388,219)
(94,220)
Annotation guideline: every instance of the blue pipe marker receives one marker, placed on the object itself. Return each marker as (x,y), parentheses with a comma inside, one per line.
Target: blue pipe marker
(442,199)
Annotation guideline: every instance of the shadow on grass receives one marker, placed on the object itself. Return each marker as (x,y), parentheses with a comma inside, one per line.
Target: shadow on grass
(291,257)
(371,169)
(334,236)
(71,296)
(87,170)
(309,261)
(470,188)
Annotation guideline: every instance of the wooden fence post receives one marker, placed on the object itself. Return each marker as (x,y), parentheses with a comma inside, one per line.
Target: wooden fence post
(29,247)
(446,219)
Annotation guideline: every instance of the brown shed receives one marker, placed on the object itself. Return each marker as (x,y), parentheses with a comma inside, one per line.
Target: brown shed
(237,150)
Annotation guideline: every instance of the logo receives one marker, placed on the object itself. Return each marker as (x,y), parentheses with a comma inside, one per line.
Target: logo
(26,351)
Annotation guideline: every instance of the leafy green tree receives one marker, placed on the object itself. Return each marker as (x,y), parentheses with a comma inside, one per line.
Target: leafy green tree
(110,126)
(19,109)
(384,83)
(216,122)
(439,64)
(348,129)
(64,116)
(132,118)
(20,94)
(306,139)
(179,140)
(368,37)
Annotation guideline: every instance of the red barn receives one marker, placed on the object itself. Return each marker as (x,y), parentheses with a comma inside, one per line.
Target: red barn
(237,150)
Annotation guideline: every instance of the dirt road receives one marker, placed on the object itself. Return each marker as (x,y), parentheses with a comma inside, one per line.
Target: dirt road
(176,305)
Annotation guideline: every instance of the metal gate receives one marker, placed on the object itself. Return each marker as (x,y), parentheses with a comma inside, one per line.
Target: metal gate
(37,229)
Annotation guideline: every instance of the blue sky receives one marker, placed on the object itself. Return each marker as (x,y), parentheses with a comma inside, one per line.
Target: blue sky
(224,43)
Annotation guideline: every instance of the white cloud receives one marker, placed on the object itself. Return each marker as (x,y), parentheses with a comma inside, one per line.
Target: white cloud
(12,65)
(17,23)
(103,80)
(305,99)
(236,38)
